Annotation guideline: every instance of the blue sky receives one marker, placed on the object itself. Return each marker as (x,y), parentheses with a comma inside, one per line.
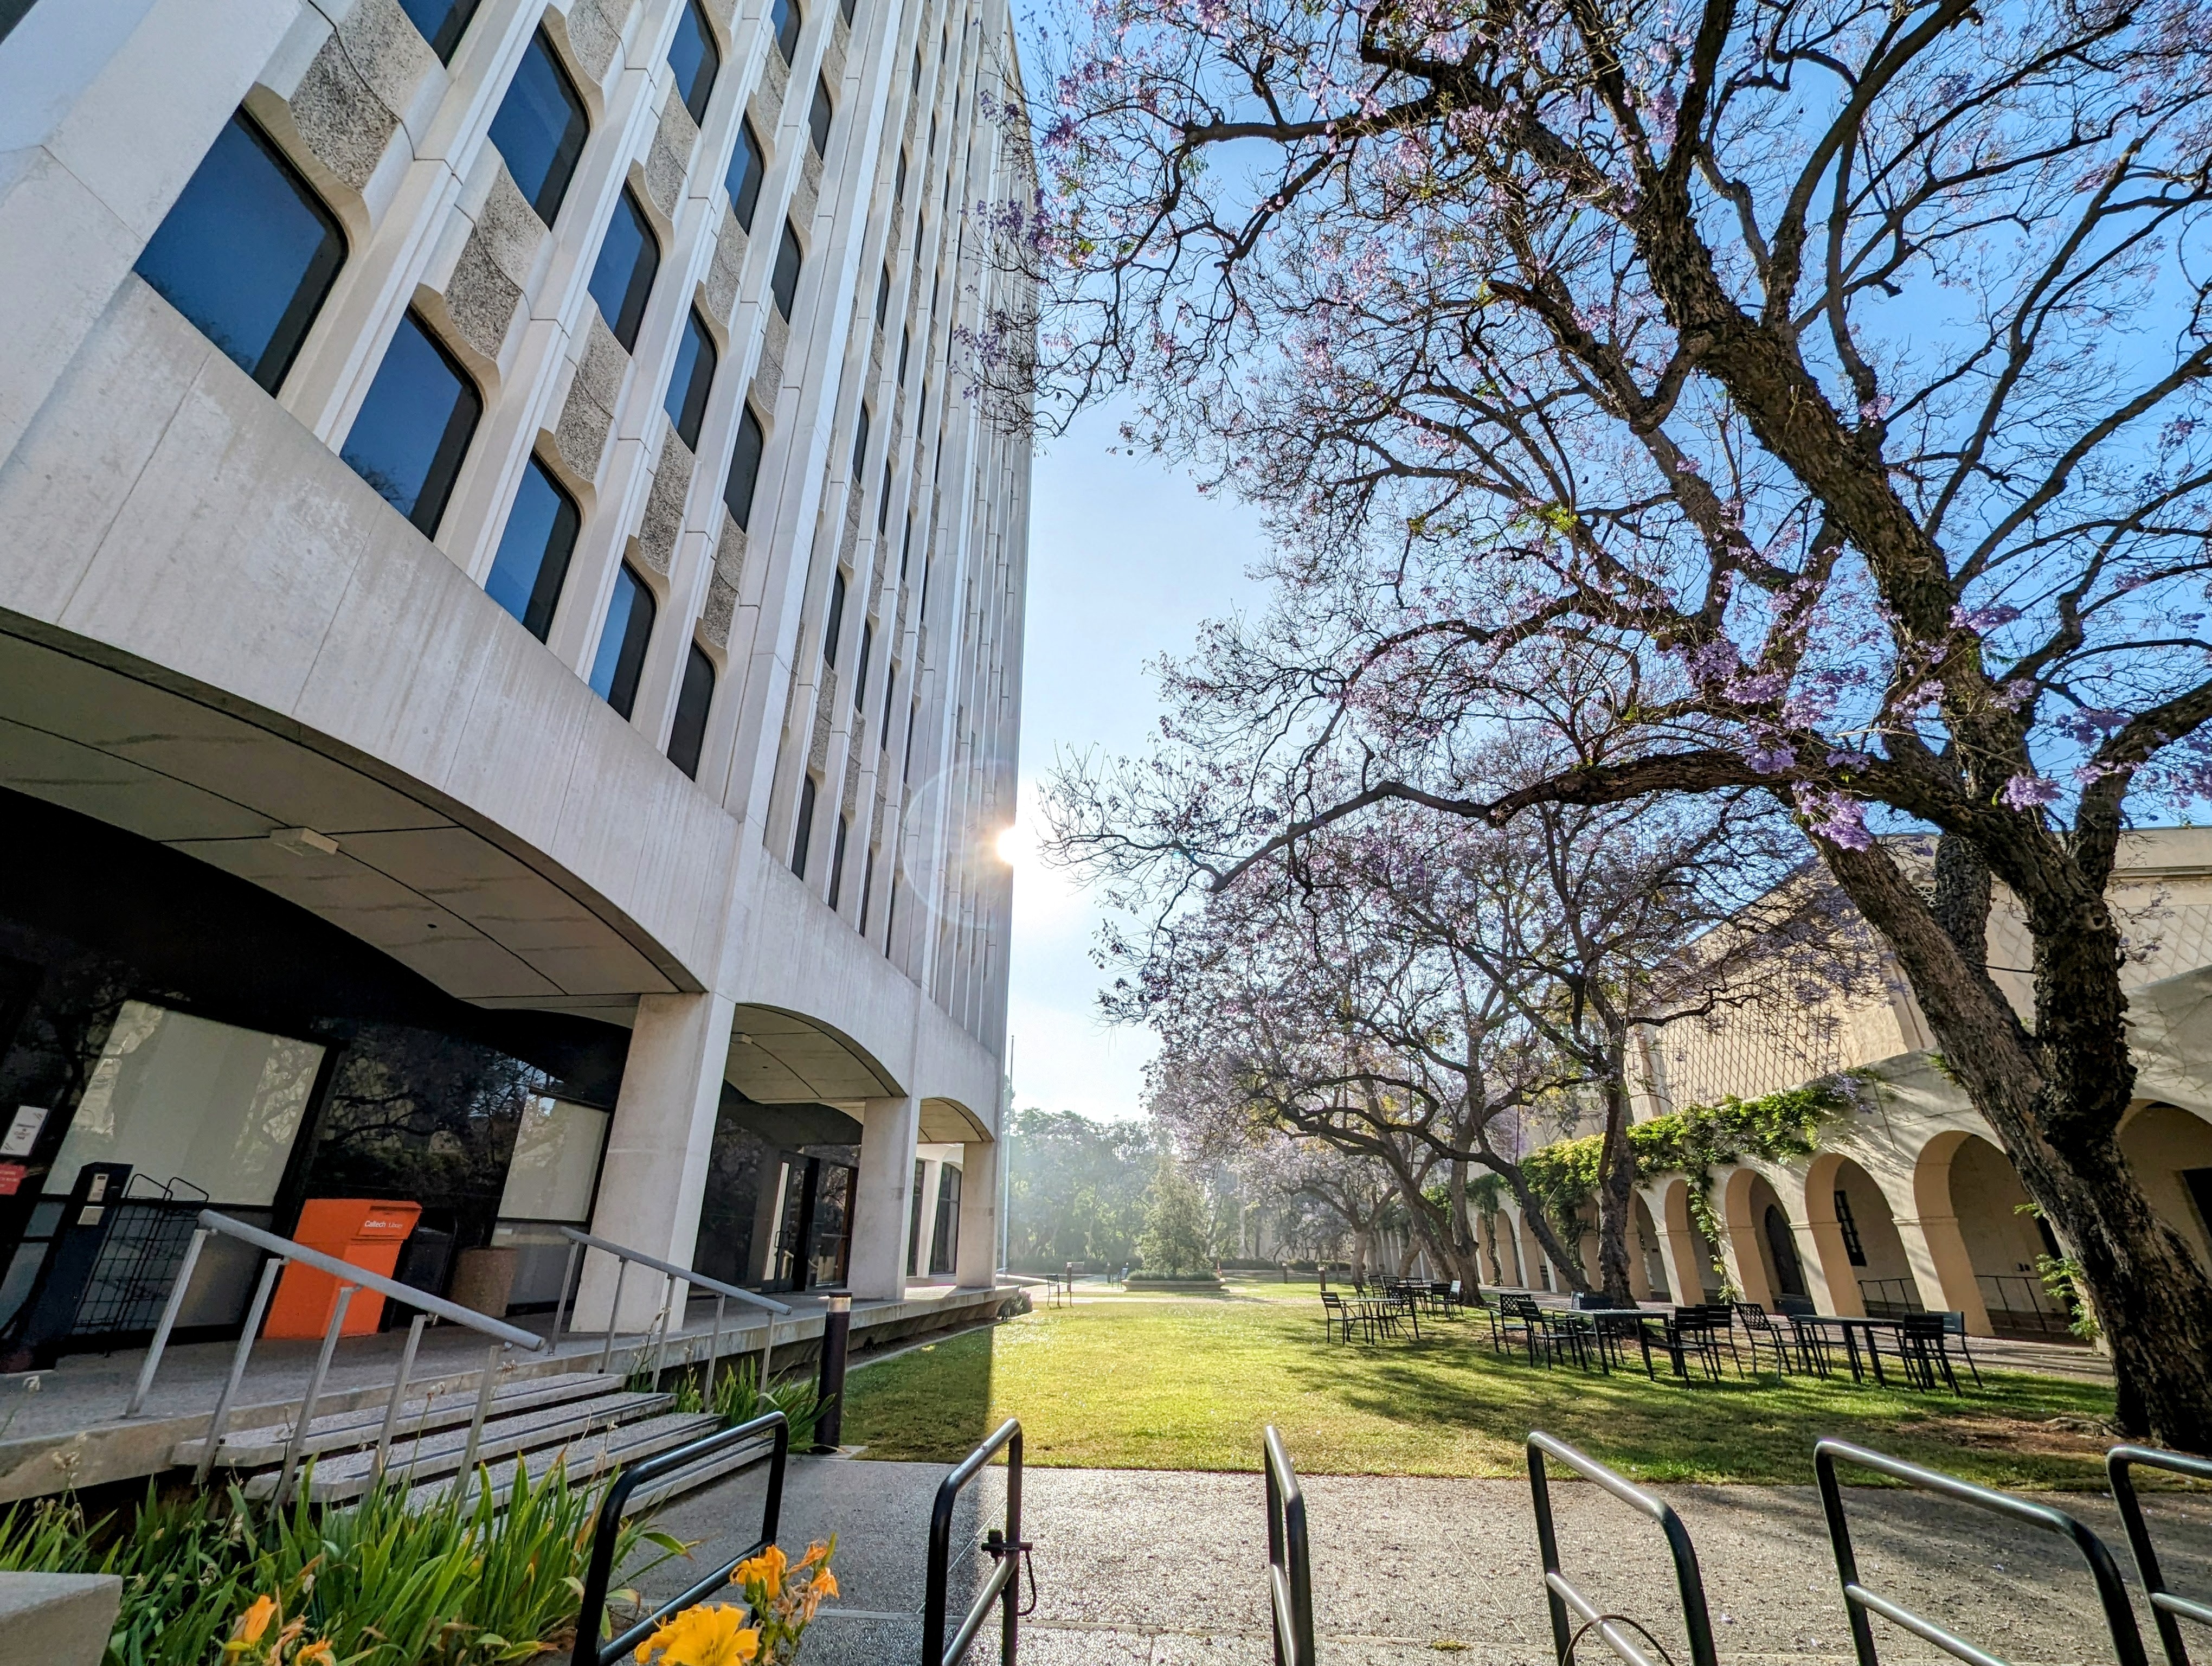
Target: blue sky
(1126,558)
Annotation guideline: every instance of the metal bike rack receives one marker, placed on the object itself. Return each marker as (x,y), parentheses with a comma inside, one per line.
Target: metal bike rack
(1859,1601)
(589,1649)
(1290,1558)
(1565,1600)
(2165,1607)
(1004,1547)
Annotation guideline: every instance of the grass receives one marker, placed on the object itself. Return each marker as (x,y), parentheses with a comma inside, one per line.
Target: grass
(1169,1381)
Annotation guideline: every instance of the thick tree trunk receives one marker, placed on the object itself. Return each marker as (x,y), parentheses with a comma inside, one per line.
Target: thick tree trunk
(1496,1266)
(2054,1099)
(1616,1194)
(1540,1222)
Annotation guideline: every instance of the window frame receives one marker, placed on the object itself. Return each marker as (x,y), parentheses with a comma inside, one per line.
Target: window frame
(690,415)
(569,151)
(626,200)
(696,99)
(429,507)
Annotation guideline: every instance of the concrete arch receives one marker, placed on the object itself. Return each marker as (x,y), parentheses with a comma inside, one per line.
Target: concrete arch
(1692,1276)
(778,1056)
(949,1122)
(2169,1147)
(1942,1264)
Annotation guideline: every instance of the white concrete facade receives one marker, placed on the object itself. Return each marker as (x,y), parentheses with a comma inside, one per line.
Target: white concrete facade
(213,631)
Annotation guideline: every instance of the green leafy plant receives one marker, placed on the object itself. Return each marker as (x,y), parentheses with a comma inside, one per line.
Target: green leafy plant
(737,1399)
(1176,1242)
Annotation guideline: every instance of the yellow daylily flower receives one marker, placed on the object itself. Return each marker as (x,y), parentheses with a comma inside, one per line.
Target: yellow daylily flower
(255,1620)
(765,1570)
(713,1635)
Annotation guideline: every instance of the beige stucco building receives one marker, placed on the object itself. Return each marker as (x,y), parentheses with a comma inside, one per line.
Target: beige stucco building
(510,626)
(1910,1202)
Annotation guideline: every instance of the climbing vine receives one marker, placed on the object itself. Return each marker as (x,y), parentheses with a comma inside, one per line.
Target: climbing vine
(1693,1142)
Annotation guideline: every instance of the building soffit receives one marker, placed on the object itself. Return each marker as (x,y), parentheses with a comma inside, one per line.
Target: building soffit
(465,906)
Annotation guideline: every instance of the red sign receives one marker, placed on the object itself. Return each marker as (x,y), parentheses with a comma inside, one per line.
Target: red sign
(11,1178)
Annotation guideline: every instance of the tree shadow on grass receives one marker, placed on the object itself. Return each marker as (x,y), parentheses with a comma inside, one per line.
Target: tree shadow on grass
(929,1405)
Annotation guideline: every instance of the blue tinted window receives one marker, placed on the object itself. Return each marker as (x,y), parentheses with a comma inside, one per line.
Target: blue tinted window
(745,469)
(622,640)
(413,431)
(247,253)
(783,17)
(692,380)
(817,120)
(805,835)
(443,22)
(861,671)
(783,283)
(541,127)
(860,446)
(744,178)
(837,860)
(532,562)
(835,627)
(689,732)
(693,56)
(622,280)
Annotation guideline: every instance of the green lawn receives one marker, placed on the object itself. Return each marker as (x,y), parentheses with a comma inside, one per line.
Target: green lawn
(1175,1381)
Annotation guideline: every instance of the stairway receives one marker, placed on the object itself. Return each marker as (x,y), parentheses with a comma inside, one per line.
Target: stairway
(588,1420)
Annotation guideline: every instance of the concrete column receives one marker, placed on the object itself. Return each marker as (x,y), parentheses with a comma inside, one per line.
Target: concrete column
(889,1130)
(1941,1266)
(658,1148)
(975,1267)
(923,1250)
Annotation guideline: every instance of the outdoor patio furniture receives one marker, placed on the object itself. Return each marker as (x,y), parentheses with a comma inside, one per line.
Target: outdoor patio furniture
(1920,1347)
(1566,1333)
(1759,1326)
(1336,1316)
(1701,1330)
(1813,1341)
(1954,1325)
(1515,1315)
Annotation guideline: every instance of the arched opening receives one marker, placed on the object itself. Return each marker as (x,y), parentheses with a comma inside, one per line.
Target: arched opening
(1868,1270)
(1646,1258)
(2170,1152)
(1538,1273)
(1985,1239)
(1697,1274)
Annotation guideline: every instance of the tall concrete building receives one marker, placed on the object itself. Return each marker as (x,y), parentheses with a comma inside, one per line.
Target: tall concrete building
(510,632)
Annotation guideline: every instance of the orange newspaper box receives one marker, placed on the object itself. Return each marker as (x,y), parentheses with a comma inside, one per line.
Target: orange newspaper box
(365,1231)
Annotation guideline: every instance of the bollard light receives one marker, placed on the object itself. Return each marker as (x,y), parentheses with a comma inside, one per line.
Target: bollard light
(829,1391)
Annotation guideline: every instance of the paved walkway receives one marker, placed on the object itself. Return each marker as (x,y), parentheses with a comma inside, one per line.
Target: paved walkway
(1168,1568)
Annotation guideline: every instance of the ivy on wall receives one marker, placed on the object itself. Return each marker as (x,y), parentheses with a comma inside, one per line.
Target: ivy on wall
(1693,1142)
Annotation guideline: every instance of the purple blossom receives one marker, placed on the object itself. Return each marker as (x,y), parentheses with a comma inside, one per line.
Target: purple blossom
(1984,618)
(2028,792)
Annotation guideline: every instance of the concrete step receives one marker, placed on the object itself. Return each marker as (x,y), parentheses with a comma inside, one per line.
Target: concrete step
(347,1474)
(251,1448)
(596,1458)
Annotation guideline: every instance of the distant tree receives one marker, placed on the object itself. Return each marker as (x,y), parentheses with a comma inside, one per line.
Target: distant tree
(1076,1189)
(1176,1242)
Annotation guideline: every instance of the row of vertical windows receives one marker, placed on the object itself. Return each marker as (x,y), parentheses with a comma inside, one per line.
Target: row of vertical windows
(249,253)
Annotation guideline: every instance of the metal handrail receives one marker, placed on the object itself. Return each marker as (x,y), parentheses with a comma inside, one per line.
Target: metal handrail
(1290,1557)
(600,1574)
(1859,1601)
(1006,1548)
(672,1275)
(2164,1604)
(1562,1598)
(352,1281)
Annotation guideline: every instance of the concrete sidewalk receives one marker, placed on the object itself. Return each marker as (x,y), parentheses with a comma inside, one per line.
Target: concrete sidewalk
(1140,1568)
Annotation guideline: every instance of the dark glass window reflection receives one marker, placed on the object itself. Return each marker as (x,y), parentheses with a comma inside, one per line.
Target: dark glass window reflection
(805,835)
(443,22)
(817,120)
(532,562)
(414,429)
(837,860)
(692,380)
(747,165)
(835,627)
(689,732)
(745,469)
(860,670)
(860,446)
(247,253)
(541,127)
(783,283)
(784,18)
(693,56)
(622,278)
(623,640)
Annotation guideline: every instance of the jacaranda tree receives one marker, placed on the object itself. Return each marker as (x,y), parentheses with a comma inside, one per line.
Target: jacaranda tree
(1828,377)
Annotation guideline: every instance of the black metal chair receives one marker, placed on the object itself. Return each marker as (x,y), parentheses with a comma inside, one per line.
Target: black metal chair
(1955,1326)
(1515,1315)
(1700,1331)
(1813,1344)
(1920,1347)
(1759,1326)
(1336,1318)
